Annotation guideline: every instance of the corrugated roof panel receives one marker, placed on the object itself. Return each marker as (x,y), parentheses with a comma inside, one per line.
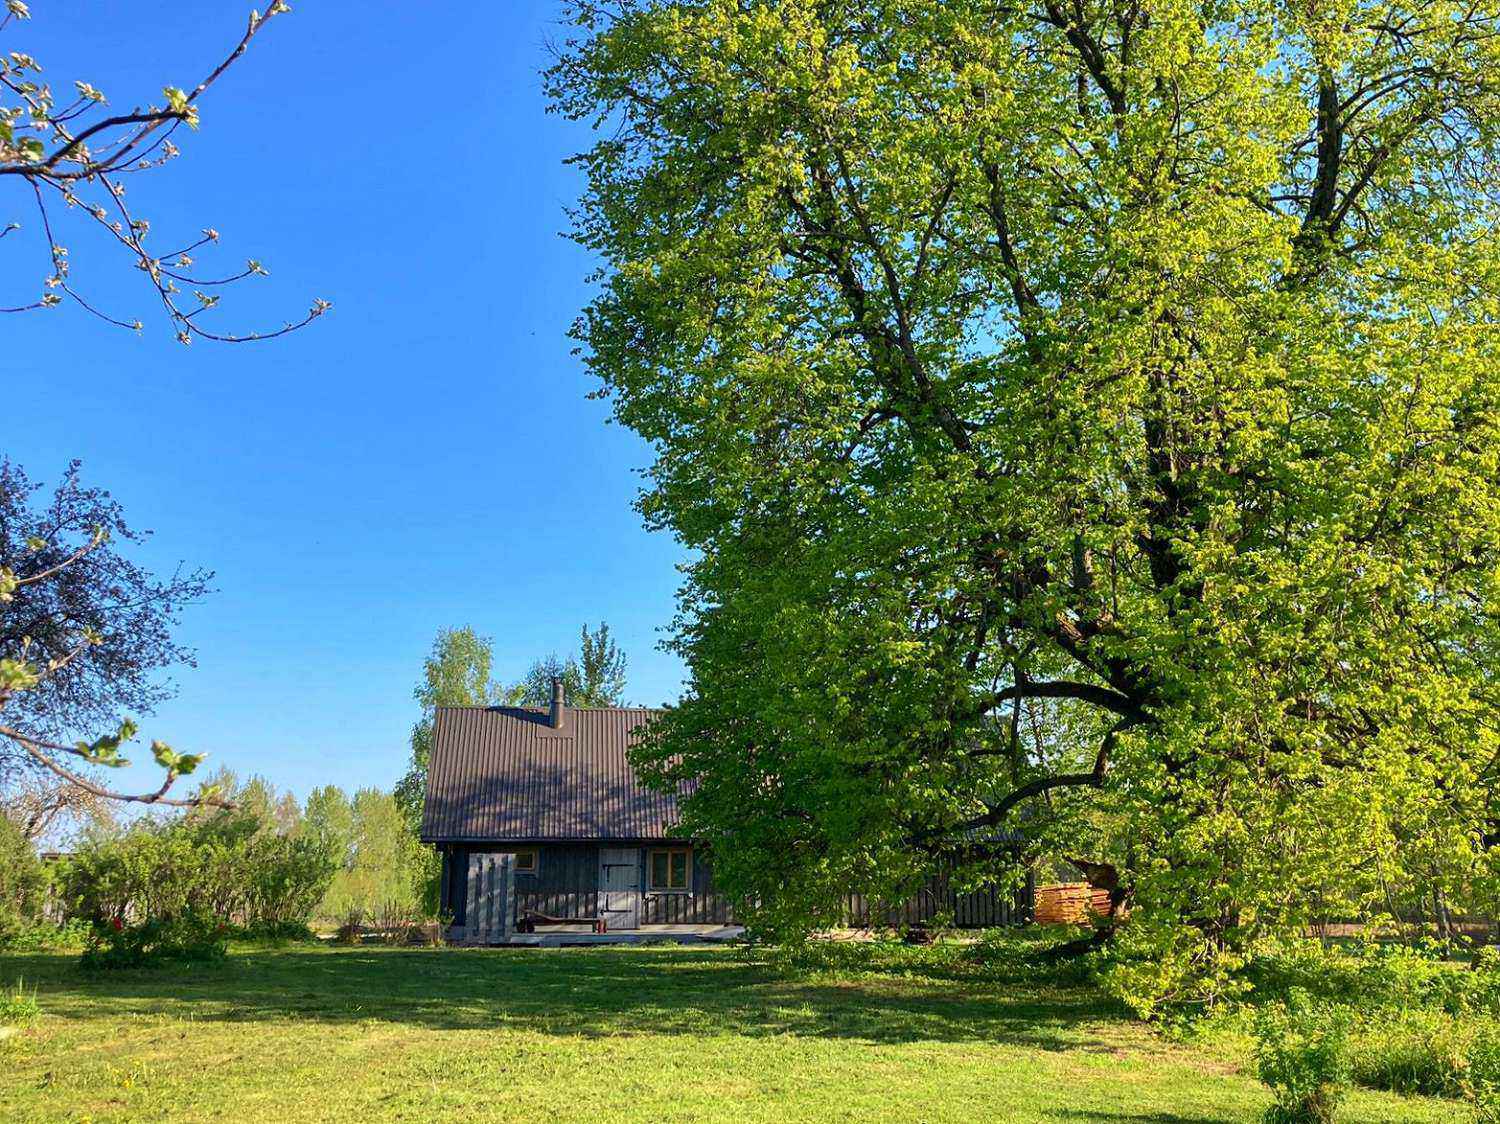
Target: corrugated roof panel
(505,773)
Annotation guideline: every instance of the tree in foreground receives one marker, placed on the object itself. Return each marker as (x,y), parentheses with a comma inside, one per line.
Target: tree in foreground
(71,157)
(1084,419)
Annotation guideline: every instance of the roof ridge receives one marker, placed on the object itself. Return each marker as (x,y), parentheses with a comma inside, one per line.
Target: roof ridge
(533,707)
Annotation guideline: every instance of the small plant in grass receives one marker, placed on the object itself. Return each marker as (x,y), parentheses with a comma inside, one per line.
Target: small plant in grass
(18,1007)
(1300,1053)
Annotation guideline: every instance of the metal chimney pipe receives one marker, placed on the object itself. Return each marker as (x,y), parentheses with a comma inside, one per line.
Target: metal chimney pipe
(557,703)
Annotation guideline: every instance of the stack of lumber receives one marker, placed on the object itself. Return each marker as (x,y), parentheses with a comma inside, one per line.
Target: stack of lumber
(1071,903)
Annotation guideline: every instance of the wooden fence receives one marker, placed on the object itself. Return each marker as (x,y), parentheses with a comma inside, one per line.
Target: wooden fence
(978,909)
(488,915)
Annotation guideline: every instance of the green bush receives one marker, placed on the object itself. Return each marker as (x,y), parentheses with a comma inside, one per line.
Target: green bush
(274,931)
(185,938)
(1417,1051)
(23,885)
(43,936)
(18,1007)
(1300,1054)
(224,866)
(1374,976)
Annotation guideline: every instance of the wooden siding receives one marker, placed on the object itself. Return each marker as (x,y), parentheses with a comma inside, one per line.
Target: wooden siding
(566,884)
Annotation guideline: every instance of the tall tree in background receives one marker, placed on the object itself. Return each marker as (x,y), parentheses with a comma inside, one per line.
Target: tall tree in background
(594,677)
(328,819)
(1135,361)
(455,673)
(69,159)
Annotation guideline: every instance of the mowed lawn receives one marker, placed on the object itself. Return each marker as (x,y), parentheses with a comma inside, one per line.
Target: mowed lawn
(304,1033)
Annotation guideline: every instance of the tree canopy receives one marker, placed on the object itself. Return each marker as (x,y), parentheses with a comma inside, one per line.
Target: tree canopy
(1083,416)
(84,633)
(594,677)
(455,673)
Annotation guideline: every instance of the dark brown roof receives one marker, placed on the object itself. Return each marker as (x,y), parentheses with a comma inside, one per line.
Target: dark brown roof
(504,773)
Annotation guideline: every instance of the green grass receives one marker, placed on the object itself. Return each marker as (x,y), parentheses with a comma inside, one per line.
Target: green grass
(305,1033)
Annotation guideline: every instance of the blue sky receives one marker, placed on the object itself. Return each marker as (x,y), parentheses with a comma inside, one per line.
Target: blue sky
(423,456)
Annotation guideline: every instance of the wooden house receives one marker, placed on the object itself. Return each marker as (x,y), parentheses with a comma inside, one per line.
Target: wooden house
(537,814)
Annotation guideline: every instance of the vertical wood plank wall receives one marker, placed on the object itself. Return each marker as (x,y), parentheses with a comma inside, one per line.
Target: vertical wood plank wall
(566,884)
(490,888)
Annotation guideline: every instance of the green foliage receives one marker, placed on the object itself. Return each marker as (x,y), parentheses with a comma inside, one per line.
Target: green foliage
(183,938)
(1078,419)
(1375,976)
(1420,1051)
(230,867)
(40,936)
(594,677)
(1170,972)
(384,869)
(23,884)
(455,673)
(1300,1053)
(18,1007)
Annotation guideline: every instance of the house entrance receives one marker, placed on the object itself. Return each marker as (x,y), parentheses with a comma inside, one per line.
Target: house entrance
(620,887)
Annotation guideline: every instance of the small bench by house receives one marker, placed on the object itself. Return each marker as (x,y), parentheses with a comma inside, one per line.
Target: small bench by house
(531,919)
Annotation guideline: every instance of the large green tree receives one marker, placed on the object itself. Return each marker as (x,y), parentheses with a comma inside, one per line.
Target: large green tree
(1131,362)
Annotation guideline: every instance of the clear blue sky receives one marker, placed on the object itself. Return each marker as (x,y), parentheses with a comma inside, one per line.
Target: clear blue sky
(425,455)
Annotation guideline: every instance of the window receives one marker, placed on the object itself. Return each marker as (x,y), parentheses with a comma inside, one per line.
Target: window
(525,862)
(671,870)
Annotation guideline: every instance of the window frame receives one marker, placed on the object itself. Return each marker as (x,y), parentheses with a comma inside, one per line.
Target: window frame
(536,860)
(686,887)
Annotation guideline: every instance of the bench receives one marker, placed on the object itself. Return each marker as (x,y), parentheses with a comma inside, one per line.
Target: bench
(532,919)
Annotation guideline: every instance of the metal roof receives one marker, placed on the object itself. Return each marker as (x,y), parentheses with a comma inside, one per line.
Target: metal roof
(504,773)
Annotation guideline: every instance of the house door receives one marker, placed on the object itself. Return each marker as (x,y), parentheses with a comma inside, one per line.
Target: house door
(620,887)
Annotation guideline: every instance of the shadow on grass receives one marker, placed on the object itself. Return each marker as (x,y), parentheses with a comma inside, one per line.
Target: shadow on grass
(1134,1117)
(583,992)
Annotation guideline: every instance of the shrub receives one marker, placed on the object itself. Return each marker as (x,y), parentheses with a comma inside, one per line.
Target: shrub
(18,1007)
(1374,976)
(23,884)
(1300,1054)
(187,937)
(223,866)
(41,936)
(351,928)
(1427,1052)
(275,932)
(1170,972)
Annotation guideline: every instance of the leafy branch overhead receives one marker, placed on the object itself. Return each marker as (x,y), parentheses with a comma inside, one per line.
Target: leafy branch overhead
(71,150)
(81,631)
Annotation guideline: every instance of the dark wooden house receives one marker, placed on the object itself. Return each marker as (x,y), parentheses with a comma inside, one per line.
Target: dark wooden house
(553,791)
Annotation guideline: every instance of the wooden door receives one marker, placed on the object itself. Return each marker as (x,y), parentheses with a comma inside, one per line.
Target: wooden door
(620,887)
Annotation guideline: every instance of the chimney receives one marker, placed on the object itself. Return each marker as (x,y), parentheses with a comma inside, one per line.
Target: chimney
(557,703)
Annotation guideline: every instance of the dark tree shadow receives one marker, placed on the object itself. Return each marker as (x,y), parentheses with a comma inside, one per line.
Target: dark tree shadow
(588,992)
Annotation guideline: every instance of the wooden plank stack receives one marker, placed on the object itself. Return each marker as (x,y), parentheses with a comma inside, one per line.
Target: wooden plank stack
(1071,903)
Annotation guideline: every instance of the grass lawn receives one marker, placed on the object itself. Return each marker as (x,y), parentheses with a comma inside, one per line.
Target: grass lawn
(305,1033)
